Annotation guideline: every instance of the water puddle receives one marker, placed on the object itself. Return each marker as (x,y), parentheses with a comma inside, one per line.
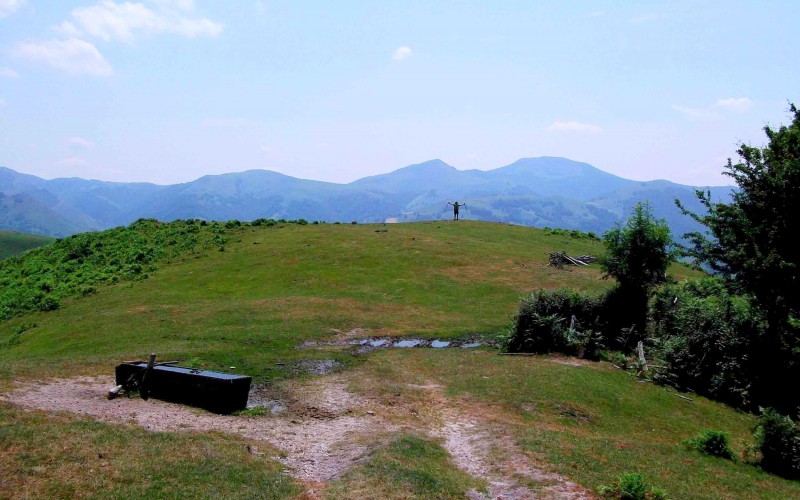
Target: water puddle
(408,343)
(366,345)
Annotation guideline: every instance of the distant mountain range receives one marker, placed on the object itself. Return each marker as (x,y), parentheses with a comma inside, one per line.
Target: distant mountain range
(546,191)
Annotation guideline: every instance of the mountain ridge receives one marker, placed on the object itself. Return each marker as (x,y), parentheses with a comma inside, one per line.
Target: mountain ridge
(542,191)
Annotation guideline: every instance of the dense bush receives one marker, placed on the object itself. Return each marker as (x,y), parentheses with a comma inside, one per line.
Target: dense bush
(713,443)
(545,323)
(703,335)
(778,440)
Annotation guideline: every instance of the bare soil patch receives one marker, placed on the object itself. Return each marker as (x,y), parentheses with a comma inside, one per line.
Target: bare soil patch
(324,429)
(316,449)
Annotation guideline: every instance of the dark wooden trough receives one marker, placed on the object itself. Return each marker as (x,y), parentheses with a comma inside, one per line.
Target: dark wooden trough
(213,391)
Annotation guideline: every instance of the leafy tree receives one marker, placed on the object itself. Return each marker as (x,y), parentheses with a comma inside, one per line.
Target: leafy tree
(637,256)
(750,241)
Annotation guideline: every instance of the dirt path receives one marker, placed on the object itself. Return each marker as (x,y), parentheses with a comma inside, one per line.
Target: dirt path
(318,444)
(486,451)
(325,431)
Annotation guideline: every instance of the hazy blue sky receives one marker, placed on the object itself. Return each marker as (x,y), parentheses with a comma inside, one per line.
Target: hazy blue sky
(169,90)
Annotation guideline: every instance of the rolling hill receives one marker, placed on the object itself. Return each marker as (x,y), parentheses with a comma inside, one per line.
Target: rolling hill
(282,301)
(540,192)
(13,243)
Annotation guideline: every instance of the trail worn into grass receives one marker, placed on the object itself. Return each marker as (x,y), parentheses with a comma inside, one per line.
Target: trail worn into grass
(326,430)
(485,450)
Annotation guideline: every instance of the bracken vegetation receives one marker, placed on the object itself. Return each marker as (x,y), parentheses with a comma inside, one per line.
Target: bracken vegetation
(77,265)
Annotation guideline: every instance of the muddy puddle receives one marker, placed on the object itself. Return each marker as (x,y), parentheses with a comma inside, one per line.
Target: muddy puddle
(366,345)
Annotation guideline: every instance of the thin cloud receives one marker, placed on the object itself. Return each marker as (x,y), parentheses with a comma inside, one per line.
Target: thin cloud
(109,20)
(646,18)
(80,142)
(2,102)
(73,56)
(186,5)
(8,73)
(575,127)
(8,7)
(714,111)
(401,53)
(695,113)
(738,104)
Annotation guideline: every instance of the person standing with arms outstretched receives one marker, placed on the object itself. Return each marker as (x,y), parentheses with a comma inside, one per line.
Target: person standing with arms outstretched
(456,205)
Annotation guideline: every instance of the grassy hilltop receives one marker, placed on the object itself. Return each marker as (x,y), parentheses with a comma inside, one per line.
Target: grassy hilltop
(248,296)
(14,243)
(274,287)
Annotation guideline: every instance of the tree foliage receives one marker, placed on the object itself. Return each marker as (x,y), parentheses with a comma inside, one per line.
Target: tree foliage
(637,256)
(750,242)
(751,239)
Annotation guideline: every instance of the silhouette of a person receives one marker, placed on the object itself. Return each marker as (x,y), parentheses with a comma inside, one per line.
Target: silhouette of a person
(456,205)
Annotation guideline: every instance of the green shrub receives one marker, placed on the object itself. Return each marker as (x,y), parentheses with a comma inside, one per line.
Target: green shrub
(558,321)
(572,233)
(778,440)
(713,443)
(704,335)
(631,486)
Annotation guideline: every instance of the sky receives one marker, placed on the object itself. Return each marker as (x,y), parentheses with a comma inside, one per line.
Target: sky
(167,91)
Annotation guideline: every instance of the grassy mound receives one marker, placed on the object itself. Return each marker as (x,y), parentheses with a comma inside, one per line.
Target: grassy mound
(273,288)
(14,243)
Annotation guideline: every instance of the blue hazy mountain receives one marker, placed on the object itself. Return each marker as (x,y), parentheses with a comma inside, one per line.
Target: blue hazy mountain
(546,191)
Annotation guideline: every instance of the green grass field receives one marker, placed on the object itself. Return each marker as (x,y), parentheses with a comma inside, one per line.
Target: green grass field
(273,288)
(13,243)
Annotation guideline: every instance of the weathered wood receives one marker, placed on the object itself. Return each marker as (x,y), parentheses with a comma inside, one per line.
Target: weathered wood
(561,259)
(144,386)
(642,360)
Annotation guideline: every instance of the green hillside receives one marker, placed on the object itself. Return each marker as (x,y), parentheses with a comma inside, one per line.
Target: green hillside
(246,298)
(13,243)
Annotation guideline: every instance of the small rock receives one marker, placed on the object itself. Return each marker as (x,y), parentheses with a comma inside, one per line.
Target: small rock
(370,413)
